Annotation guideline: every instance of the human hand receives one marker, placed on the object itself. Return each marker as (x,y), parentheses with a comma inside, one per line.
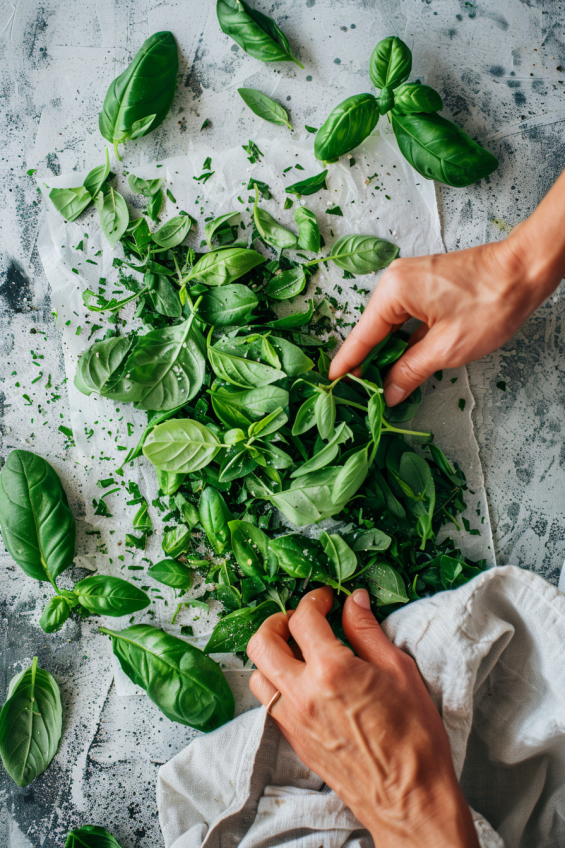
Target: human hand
(469,302)
(365,724)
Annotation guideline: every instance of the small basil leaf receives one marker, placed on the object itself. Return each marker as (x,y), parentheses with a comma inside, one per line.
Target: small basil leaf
(215,517)
(363,254)
(294,320)
(234,631)
(308,230)
(255,33)
(372,540)
(54,615)
(96,178)
(181,445)
(217,224)
(171,573)
(90,836)
(346,127)
(169,481)
(309,186)
(173,232)
(114,215)
(415,97)
(251,548)
(326,455)
(325,411)
(352,476)
(390,63)
(176,541)
(220,267)
(227,305)
(70,202)
(298,555)
(147,188)
(286,285)
(386,584)
(305,417)
(270,230)
(107,595)
(342,560)
(264,107)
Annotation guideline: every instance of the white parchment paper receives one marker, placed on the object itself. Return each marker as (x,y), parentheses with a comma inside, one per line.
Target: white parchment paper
(378,194)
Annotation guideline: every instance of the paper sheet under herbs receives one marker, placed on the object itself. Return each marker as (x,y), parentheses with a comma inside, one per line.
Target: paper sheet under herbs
(377,192)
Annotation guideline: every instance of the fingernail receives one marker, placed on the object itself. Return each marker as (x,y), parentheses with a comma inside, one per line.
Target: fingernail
(361,597)
(394,394)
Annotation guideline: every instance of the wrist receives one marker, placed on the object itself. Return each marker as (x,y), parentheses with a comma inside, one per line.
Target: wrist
(533,260)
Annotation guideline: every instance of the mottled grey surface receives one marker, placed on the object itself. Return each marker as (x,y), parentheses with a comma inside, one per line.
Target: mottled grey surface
(497,67)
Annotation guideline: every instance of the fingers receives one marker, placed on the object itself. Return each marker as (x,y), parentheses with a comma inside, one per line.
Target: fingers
(362,628)
(309,626)
(261,687)
(271,653)
(382,313)
(419,362)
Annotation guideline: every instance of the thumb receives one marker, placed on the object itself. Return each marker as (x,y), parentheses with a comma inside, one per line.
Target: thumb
(362,628)
(420,361)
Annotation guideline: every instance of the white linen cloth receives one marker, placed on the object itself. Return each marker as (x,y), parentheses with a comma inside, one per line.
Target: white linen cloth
(492,654)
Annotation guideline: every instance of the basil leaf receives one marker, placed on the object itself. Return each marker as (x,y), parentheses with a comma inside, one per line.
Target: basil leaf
(175,541)
(286,285)
(107,595)
(352,476)
(415,473)
(186,685)
(264,107)
(90,836)
(54,615)
(270,230)
(293,361)
(375,409)
(238,370)
(270,456)
(237,462)
(298,555)
(181,445)
(443,463)
(171,573)
(215,517)
(31,724)
(372,540)
(406,410)
(114,215)
(251,548)
(325,412)
(227,305)
(308,186)
(268,425)
(440,150)
(305,417)
(449,570)
(342,560)
(255,33)
(220,267)
(385,100)
(386,584)
(326,455)
(38,527)
(188,510)
(96,178)
(309,232)
(234,631)
(101,369)
(415,97)
(363,254)
(165,297)
(346,127)
(139,99)
(217,224)
(169,363)
(390,63)
(70,202)
(147,188)
(154,205)
(169,481)
(240,408)
(173,232)
(104,305)
(294,320)
(309,498)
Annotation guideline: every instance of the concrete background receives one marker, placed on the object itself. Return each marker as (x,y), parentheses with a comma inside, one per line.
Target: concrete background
(499,71)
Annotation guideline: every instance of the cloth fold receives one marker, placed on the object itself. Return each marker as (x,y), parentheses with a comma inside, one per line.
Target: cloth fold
(492,656)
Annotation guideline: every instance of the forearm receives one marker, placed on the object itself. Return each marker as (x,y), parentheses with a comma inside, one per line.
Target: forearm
(538,243)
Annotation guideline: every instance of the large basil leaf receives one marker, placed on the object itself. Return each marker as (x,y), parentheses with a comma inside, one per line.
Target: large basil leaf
(363,254)
(171,573)
(31,723)
(169,363)
(70,202)
(173,232)
(186,685)
(352,476)
(390,63)
(114,215)
(38,527)
(54,615)
(270,230)
(386,584)
(215,517)
(346,127)
(308,230)
(227,305)
(309,498)
(415,97)
(440,150)
(293,361)
(343,562)
(234,631)
(308,186)
(251,548)
(286,285)
(90,836)
(139,99)
(298,555)
(240,408)
(181,445)
(107,595)
(264,107)
(229,363)
(255,33)
(223,266)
